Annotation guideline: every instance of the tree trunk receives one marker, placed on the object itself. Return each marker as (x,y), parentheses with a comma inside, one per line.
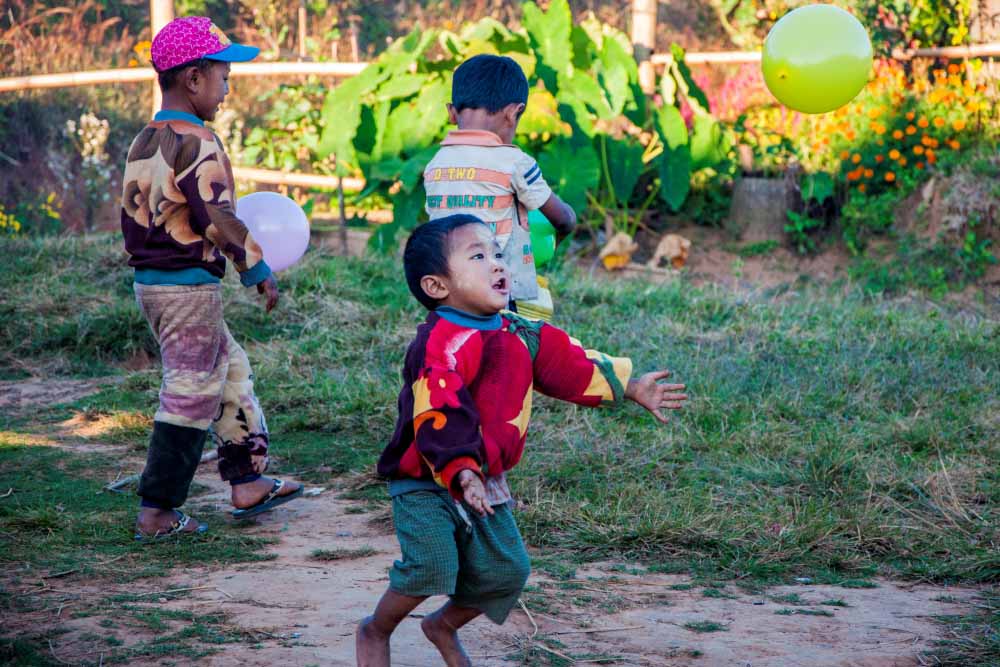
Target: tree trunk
(644,41)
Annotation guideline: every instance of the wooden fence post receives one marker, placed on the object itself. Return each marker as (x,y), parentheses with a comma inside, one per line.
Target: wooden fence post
(644,41)
(161,12)
(302,29)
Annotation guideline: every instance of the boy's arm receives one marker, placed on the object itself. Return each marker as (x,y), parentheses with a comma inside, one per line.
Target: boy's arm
(561,215)
(563,369)
(532,191)
(446,426)
(206,187)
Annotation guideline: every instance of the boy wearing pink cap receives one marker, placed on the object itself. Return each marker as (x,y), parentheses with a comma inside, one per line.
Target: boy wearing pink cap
(179,222)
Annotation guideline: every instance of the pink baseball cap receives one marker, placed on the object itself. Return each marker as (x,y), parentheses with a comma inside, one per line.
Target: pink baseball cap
(193,37)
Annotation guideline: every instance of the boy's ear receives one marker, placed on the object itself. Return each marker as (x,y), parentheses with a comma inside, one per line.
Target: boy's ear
(452,114)
(191,78)
(512,113)
(435,287)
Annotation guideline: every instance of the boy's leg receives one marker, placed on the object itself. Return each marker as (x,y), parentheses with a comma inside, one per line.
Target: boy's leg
(240,433)
(426,524)
(441,628)
(372,637)
(186,322)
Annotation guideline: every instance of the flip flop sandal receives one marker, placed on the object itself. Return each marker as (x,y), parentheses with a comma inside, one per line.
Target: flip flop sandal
(177,529)
(269,502)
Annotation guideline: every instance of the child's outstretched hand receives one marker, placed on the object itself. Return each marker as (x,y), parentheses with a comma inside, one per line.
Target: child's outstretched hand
(650,394)
(474,492)
(270,288)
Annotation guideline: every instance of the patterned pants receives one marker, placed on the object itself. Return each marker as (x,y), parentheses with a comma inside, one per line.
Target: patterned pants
(207,380)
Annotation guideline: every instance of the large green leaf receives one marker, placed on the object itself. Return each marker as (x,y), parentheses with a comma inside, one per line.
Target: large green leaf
(675,163)
(615,75)
(541,115)
(818,186)
(571,169)
(624,165)
(342,114)
(581,86)
(695,95)
(709,142)
(549,35)
(400,86)
(584,49)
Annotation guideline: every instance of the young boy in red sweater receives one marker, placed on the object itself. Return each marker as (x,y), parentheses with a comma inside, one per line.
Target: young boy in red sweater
(463,416)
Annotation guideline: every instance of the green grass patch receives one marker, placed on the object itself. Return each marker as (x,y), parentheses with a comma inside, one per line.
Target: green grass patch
(803,612)
(973,638)
(831,434)
(706,626)
(343,554)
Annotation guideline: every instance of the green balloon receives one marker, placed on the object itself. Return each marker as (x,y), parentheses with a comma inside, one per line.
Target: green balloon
(816,58)
(543,237)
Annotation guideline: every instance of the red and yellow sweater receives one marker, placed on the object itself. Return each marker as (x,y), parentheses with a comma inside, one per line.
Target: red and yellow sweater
(466,398)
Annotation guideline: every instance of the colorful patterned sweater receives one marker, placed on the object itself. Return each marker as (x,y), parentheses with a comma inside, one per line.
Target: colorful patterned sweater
(466,397)
(178,206)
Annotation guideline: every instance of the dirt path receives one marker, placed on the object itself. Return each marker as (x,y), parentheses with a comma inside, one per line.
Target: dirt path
(303,611)
(314,606)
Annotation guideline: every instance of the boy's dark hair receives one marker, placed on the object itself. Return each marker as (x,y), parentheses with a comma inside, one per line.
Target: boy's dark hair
(488,82)
(426,252)
(169,77)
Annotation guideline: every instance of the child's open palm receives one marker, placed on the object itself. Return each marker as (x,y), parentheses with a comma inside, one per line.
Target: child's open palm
(650,394)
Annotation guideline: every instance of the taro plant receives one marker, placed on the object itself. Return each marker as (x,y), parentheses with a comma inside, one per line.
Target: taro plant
(601,143)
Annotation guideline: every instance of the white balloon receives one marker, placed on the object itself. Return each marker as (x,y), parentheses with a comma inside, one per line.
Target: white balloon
(279,226)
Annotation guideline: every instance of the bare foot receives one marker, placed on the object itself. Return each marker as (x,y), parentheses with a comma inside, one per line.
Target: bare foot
(251,493)
(445,638)
(152,521)
(371,646)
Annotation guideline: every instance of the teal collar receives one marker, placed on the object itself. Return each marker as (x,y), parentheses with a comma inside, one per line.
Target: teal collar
(461,318)
(171,114)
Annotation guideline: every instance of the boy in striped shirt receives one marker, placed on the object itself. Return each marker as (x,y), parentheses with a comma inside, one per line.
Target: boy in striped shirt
(478,171)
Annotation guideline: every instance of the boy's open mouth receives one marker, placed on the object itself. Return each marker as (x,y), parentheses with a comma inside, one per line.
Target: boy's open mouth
(500,285)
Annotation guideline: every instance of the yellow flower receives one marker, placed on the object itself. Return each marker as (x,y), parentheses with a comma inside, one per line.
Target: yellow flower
(972,107)
(959,125)
(893,154)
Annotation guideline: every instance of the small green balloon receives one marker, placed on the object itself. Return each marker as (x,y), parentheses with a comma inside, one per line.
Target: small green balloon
(543,237)
(816,58)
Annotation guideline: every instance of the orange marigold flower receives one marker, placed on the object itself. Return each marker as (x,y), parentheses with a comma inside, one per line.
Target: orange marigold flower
(940,73)
(922,123)
(898,134)
(902,162)
(959,125)
(910,129)
(850,135)
(910,115)
(972,107)
(893,154)
(919,165)
(931,157)
(869,173)
(852,175)
(954,145)
(880,129)
(879,158)
(874,113)
(939,122)
(889,176)
(861,188)
(918,150)
(844,155)
(953,69)
(856,158)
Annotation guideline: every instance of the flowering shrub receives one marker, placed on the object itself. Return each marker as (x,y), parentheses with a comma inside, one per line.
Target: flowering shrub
(89,136)
(902,126)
